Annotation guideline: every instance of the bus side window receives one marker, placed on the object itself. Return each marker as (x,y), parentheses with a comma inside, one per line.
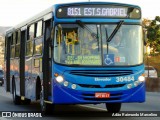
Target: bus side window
(38,41)
(30,37)
(13,45)
(39,29)
(31,32)
(17,46)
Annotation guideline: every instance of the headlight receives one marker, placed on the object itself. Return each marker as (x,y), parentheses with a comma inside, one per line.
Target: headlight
(136,83)
(129,86)
(73,86)
(59,79)
(65,83)
(141,78)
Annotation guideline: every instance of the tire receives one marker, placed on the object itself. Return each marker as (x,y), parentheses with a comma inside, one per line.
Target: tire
(46,108)
(1,84)
(113,107)
(16,99)
(26,101)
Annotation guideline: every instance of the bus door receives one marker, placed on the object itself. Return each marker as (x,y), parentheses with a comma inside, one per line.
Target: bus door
(46,68)
(22,60)
(7,63)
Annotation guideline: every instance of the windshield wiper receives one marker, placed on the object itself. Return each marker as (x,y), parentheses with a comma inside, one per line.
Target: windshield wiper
(97,38)
(115,31)
(82,25)
(106,38)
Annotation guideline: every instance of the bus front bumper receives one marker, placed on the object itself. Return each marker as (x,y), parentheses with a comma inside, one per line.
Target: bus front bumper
(63,95)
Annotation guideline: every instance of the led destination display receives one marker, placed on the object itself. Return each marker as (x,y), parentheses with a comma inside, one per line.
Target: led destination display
(98,11)
(104,12)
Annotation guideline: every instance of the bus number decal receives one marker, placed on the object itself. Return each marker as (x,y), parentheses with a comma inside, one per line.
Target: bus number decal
(73,11)
(125,79)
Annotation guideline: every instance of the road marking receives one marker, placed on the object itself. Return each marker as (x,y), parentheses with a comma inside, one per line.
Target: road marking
(94,107)
(4,93)
(2,118)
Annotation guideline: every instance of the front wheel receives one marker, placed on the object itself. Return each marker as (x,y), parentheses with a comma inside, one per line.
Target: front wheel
(113,107)
(26,101)
(46,108)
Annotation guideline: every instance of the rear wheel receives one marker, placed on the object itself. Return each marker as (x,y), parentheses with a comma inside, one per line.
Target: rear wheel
(16,99)
(113,107)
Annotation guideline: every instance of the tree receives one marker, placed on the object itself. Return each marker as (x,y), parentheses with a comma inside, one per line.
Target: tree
(153,34)
(146,22)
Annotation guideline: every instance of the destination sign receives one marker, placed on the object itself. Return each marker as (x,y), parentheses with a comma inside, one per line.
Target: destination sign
(95,11)
(101,12)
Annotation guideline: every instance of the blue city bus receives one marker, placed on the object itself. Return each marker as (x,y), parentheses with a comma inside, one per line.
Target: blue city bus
(77,53)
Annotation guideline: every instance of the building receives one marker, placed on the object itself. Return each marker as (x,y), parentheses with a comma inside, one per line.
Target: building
(2,48)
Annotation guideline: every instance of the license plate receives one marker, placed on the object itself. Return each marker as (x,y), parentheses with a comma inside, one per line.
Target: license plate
(102,95)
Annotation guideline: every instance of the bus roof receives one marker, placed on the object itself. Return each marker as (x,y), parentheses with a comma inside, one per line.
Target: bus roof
(31,20)
(51,10)
(115,3)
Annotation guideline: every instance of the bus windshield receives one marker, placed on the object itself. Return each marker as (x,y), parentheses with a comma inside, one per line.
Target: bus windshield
(77,45)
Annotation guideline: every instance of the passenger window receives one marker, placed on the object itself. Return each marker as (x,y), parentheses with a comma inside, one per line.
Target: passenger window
(30,37)
(39,29)
(29,48)
(38,41)
(38,46)
(13,45)
(17,48)
(18,37)
(12,51)
(31,32)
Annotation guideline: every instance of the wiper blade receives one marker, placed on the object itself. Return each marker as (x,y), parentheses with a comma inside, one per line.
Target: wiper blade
(97,38)
(115,31)
(82,25)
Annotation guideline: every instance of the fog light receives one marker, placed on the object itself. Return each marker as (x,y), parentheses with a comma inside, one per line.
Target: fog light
(136,83)
(129,86)
(59,79)
(73,86)
(141,78)
(65,83)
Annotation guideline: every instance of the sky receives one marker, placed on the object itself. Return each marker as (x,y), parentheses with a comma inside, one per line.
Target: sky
(12,12)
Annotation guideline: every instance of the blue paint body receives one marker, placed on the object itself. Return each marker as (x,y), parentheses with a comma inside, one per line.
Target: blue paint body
(87,85)
(89,80)
(84,94)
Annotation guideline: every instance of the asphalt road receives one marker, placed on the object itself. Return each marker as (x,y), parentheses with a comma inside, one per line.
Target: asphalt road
(85,112)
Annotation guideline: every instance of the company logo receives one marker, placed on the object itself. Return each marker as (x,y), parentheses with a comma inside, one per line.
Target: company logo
(6,114)
(103,79)
(20,114)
